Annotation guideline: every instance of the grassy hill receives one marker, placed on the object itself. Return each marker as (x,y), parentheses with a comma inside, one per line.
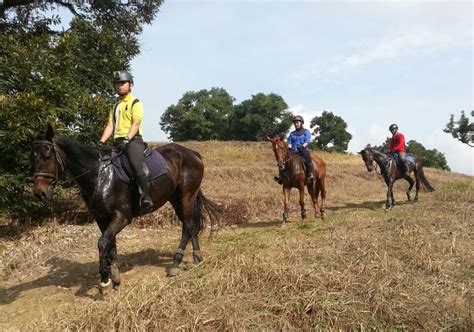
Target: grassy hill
(363,267)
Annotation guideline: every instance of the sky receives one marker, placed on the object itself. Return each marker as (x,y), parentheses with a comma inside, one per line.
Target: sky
(373,63)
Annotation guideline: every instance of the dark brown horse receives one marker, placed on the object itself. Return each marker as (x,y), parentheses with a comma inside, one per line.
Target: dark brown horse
(391,172)
(292,172)
(114,203)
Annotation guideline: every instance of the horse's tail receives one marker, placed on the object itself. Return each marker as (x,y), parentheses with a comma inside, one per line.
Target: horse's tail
(202,207)
(424,181)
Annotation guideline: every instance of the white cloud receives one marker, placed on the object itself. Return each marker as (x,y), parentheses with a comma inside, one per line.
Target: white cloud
(417,40)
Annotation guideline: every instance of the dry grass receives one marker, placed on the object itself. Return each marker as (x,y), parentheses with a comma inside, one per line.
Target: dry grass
(362,268)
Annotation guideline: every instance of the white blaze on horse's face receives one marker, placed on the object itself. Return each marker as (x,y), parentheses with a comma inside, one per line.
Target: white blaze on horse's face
(278,146)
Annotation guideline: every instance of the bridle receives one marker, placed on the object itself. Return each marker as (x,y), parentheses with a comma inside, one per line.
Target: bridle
(59,161)
(58,158)
(283,162)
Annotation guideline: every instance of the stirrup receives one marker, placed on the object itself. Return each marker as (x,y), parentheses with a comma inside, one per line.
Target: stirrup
(146,203)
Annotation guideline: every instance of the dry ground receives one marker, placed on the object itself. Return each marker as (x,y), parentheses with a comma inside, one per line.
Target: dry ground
(363,267)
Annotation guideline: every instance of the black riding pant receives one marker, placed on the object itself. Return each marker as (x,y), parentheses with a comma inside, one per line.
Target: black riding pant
(307,160)
(135,154)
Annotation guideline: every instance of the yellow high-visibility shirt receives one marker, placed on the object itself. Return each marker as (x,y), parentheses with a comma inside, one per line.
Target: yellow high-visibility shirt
(125,114)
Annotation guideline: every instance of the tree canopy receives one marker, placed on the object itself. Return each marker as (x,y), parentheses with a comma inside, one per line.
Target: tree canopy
(332,132)
(211,114)
(462,129)
(202,115)
(259,117)
(59,72)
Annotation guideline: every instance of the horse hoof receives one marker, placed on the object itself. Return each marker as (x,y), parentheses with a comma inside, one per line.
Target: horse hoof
(416,199)
(323,216)
(173,271)
(105,287)
(197,258)
(115,275)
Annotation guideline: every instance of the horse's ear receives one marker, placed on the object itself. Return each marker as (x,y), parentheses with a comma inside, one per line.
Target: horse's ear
(49,132)
(268,139)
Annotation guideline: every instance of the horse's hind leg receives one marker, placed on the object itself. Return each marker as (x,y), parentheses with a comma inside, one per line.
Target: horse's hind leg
(321,185)
(411,182)
(313,190)
(190,230)
(417,182)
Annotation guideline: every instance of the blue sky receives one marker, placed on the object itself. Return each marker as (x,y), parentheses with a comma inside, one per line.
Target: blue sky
(372,63)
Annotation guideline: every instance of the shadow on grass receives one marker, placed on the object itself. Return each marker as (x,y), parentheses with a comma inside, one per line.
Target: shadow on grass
(368,205)
(260,224)
(68,273)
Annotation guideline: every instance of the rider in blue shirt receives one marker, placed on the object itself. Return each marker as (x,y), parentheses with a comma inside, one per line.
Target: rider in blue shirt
(298,142)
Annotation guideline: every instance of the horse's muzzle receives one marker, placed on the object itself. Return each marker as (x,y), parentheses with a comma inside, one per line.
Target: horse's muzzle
(44,192)
(281,166)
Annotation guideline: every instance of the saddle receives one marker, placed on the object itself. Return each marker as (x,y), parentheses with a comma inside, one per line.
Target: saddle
(154,164)
(409,158)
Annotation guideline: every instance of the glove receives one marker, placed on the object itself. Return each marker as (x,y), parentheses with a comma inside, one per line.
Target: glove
(122,145)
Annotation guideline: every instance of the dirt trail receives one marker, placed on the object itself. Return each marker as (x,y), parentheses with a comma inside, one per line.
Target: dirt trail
(69,274)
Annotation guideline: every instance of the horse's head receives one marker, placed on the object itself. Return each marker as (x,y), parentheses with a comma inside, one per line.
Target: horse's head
(46,162)
(368,157)
(280,150)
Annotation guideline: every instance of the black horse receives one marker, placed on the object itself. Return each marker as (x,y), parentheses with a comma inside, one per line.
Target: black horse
(391,172)
(114,203)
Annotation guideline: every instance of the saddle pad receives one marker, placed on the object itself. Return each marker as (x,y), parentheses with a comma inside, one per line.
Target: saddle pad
(409,159)
(155,162)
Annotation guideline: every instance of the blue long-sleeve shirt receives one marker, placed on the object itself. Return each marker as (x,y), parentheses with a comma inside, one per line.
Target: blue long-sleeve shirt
(297,139)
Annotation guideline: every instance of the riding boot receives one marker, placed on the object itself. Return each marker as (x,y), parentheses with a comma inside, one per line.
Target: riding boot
(407,168)
(146,202)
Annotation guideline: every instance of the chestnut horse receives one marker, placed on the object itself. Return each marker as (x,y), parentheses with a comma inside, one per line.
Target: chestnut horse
(292,173)
(391,172)
(114,203)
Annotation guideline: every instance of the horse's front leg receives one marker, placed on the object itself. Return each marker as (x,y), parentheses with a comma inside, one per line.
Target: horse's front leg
(108,254)
(286,202)
(303,210)
(390,200)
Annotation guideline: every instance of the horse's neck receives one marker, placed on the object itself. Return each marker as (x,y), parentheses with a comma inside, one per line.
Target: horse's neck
(82,161)
(381,159)
(293,158)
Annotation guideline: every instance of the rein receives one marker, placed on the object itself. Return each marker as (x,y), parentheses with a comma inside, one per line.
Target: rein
(59,160)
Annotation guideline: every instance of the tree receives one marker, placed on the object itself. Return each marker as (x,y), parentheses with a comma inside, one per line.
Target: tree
(56,75)
(462,130)
(431,158)
(202,115)
(333,135)
(261,116)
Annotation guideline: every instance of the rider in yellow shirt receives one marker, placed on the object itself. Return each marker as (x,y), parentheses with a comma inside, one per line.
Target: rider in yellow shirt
(125,125)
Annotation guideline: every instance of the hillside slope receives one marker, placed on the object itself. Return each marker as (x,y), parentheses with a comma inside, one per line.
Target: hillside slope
(363,267)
